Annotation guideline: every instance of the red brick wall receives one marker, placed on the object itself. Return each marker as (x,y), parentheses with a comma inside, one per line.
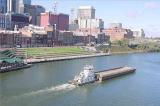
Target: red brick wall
(61,20)
(44,20)
(118,33)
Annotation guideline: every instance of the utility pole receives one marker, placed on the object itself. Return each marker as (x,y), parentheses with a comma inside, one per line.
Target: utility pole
(55,30)
(90,33)
(55,25)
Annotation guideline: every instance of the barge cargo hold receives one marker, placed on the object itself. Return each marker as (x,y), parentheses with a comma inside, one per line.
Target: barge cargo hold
(111,73)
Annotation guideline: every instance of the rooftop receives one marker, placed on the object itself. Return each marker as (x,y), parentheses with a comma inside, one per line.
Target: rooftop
(9,32)
(86,7)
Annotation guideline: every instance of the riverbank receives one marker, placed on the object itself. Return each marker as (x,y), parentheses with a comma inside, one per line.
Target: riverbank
(129,52)
(33,60)
(38,55)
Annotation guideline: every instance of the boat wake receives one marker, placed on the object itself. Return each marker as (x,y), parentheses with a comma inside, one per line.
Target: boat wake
(63,87)
(51,90)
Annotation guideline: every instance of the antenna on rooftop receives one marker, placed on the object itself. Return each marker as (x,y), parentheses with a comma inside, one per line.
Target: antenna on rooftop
(72,15)
(55,7)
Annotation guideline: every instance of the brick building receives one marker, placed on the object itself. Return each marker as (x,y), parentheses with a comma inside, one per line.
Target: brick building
(83,35)
(9,39)
(118,33)
(61,20)
(37,35)
(66,38)
(88,31)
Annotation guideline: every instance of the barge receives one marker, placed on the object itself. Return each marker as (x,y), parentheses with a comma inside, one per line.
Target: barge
(14,67)
(89,76)
(9,61)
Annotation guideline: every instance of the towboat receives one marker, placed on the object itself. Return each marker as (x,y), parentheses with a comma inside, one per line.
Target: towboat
(87,75)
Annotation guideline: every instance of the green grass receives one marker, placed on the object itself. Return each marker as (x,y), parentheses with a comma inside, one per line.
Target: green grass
(55,52)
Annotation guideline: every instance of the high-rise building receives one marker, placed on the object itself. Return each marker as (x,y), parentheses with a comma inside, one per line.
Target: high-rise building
(21,5)
(35,12)
(91,23)
(86,18)
(86,12)
(9,5)
(60,20)
(3,6)
(14,6)
(17,6)
(5,21)
(28,2)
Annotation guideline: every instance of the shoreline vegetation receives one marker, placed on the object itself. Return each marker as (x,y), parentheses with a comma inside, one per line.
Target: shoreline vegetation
(126,46)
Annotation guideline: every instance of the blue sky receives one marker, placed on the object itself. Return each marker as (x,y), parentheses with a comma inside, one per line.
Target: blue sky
(133,14)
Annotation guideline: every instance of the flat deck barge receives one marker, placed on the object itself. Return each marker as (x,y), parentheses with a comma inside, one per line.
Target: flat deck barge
(111,73)
(14,68)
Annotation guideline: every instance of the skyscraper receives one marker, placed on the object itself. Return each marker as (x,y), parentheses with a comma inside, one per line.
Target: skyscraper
(3,6)
(9,5)
(17,6)
(21,4)
(86,18)
(12,6)
(27,2)
(35,12)
(86,12)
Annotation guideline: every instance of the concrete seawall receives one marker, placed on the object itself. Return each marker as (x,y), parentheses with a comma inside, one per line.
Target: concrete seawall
(65,58)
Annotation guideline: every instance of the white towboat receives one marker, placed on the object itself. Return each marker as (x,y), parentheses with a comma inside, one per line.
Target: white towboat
(85,76)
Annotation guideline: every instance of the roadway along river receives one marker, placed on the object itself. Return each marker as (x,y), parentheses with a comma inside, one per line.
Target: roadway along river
(45,83)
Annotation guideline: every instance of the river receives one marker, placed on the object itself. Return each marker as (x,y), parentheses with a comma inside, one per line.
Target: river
(45,84)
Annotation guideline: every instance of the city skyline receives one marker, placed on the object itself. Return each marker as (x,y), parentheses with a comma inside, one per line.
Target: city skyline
(133,14)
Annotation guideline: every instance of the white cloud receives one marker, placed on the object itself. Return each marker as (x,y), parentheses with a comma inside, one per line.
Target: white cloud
(152,5)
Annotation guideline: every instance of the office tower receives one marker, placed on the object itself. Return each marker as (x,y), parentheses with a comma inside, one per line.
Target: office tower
(3,6)
(21,5)
(17,6)
(35,13)
(86,12)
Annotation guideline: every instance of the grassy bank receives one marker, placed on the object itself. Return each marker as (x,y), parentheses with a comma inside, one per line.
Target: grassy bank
(53,52)
(124,47)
